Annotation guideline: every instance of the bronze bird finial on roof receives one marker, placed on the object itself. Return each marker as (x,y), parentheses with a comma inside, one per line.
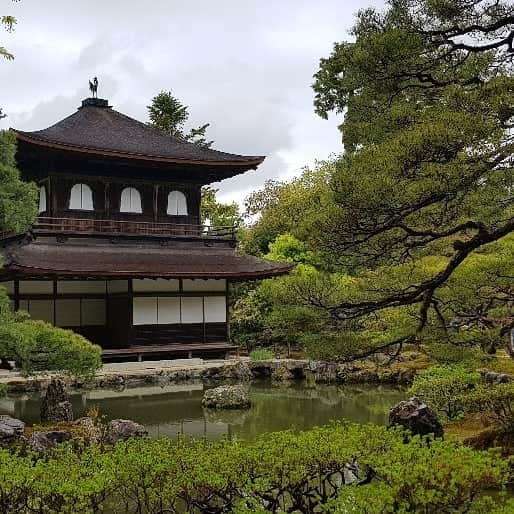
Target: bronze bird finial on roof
(93,87)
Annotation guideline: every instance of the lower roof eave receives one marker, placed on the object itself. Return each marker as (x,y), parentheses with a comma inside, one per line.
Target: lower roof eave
(20,272)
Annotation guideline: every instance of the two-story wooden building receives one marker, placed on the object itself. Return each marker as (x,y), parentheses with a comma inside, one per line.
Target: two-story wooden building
(118,252)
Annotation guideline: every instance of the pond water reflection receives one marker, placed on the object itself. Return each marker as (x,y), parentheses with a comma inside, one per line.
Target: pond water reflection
(174,409)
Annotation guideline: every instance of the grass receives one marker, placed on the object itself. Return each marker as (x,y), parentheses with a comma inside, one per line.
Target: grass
(261,354)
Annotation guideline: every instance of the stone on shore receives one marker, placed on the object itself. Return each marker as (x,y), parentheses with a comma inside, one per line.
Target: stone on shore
(55,404)
(41,441)
(123,429)
(417,417)
(281,374)
(226,397)
(11,429)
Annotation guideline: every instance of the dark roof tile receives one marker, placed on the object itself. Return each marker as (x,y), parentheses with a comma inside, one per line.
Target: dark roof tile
(98,128)
(45,256)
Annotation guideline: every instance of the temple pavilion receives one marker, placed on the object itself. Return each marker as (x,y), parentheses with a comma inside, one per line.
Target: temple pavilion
(119,253)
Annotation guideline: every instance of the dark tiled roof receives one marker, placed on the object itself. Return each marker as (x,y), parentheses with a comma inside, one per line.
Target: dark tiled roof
(46,256)
(96,128)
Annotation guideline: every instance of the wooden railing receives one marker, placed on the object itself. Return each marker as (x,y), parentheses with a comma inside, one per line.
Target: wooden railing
(71,225)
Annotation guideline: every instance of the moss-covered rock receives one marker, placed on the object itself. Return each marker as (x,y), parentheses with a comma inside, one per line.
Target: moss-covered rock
(226,397)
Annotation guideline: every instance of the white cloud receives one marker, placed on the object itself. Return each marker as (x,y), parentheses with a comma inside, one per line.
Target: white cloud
(245,67)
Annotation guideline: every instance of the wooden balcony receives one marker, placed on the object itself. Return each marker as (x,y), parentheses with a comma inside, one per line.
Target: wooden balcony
(130,228)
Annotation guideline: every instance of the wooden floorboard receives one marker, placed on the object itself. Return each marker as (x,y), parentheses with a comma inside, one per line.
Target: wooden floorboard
(168,348)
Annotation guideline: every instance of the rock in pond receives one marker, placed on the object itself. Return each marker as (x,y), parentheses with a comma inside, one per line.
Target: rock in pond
(55,404)
(42,441)
(226,397)
(10,429)
(122,429)
(417,417)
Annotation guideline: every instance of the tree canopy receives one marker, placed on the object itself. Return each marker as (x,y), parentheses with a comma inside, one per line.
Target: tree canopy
(416,215)
(8,22)
(168,114)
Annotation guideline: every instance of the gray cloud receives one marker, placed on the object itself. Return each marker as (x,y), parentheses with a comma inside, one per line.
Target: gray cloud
(245,67)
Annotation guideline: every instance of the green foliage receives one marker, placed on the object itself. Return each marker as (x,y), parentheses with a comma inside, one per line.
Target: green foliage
(248,317)
(279,472)
(495,403)
(18,199)
(219,214)
(287,248)
(8,22)
(39,346)
(444,353)
(294,207)
(443,387)
(169,115)
(3,390)
(261,354)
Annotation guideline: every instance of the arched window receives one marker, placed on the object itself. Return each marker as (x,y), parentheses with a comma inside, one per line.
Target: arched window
(130,200)
(177,204)
(81,197)
(42,199)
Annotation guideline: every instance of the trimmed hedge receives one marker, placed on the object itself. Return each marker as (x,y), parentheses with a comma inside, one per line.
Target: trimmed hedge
(279,472)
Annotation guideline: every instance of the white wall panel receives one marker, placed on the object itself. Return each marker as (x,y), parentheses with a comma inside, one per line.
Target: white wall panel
(168,310)
(209,285)
(147,285)
(42,309)
(215,309)
(81,286)
(42,199)
(81,197)
(145,311)
(130,201)
(67,312)
(36,287)
(177,204)
(192,309)
(93,312)
(117,286)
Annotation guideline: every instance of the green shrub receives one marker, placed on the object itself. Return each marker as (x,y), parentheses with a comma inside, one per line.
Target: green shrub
(3,390)
(495,403)
(442,388)
(279,472)
(261,354)
(37,346)
(458,354)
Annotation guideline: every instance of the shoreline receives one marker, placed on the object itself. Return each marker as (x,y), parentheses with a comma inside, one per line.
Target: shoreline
(237,369)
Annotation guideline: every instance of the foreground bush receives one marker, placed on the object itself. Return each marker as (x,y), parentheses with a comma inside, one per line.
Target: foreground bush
(36,345)
(442,388)
(281,472)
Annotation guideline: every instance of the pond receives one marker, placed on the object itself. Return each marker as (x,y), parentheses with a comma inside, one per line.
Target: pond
(174,409)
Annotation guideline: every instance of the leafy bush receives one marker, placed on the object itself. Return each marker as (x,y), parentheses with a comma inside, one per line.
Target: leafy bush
(457,354)
(3,390)
(37,346)
(442,388)
(279,472)
(495,403)
(261,354)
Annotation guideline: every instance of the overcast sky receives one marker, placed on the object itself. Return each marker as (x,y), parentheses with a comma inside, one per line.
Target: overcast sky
(245,66)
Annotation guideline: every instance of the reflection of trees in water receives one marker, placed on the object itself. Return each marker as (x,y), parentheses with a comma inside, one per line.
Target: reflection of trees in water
(229,417)
(275,407)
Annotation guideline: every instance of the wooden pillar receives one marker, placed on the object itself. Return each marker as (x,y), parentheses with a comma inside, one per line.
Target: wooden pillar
(130,321)
(227,321)
(107,199)
(155,202)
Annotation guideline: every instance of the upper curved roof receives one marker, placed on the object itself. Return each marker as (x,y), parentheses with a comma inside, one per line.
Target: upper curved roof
(98,129)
